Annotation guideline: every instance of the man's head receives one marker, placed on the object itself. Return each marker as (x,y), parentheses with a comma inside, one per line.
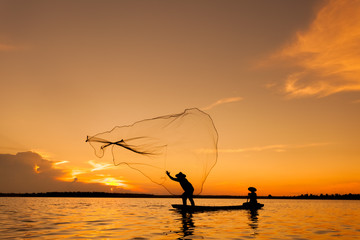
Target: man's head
(180,175)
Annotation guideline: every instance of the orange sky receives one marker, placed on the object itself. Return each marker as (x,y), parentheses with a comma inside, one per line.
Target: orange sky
(279,78)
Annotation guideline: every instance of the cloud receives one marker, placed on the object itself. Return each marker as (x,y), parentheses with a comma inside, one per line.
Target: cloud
(275,148)
(30,172)
(327,54)
(100,166)
(62,162)
(111,181)
(223,101)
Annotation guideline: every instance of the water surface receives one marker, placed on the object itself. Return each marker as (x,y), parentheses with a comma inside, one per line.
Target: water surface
(151,218)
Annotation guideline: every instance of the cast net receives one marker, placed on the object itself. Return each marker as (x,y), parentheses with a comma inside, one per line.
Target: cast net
(185,142)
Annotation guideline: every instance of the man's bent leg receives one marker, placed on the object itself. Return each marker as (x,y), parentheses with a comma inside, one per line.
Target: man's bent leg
(184,197)
(192,201)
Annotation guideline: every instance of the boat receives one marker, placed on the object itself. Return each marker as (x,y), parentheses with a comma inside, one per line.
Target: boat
(190,208)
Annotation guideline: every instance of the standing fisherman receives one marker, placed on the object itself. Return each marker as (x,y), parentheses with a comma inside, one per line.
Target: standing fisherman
(186,185)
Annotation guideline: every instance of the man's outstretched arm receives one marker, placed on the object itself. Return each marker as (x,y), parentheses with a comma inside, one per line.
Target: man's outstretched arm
(172,178)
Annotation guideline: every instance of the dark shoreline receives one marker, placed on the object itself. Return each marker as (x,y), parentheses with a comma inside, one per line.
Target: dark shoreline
(140,195)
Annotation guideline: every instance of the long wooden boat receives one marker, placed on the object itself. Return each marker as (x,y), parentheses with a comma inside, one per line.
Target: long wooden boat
(217,208)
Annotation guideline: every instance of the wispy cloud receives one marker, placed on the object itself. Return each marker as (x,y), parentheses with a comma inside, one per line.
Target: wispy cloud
(62,162)
(275,148)
(223,101)
(99,166)
(327,55)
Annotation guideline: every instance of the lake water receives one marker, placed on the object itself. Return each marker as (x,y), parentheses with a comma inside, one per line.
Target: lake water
(134,218)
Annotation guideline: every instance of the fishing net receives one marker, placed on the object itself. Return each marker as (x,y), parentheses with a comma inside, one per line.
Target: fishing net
(185,142)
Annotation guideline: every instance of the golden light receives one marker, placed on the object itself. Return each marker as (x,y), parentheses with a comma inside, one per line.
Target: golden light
(111,181)
(72,175)
(36,168)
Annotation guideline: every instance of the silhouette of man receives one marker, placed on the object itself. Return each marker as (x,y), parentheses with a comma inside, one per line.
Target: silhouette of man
(252,195)
(186,185)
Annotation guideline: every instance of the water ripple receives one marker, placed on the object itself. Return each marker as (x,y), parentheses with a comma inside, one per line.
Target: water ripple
(80,218)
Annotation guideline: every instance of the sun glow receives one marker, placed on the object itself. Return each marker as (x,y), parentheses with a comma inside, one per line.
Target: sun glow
(111,181)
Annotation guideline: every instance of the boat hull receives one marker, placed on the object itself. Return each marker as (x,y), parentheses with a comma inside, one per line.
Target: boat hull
(216,208)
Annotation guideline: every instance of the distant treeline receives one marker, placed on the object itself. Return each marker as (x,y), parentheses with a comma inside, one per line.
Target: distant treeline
(324,196)
(140,195)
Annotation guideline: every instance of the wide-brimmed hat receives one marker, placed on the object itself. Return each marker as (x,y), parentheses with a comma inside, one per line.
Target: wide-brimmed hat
(180,175)
(252,189)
